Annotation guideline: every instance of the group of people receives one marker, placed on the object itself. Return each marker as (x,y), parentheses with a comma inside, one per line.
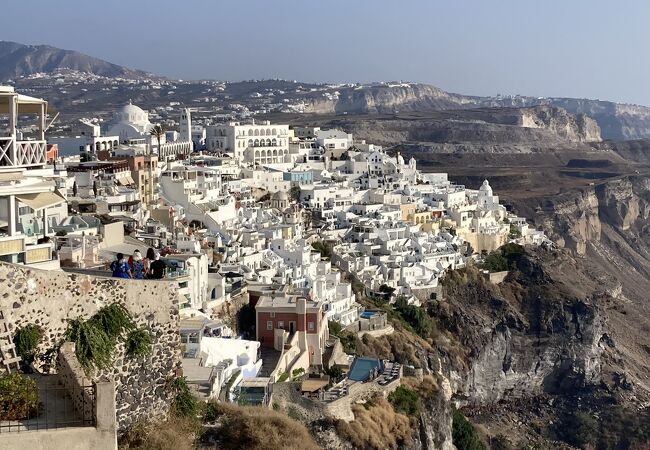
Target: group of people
(135,266)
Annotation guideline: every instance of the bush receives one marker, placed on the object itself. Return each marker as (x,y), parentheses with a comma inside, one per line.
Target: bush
(334,327)
(506,257)
(284,377)
(416,317)
(464,434)
(26,340)
(405,401)
(582,429)
(18,397)
(93,347)
(138,342)
(184,403)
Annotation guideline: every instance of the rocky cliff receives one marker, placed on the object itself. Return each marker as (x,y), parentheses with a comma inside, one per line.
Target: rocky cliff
(579,127)
(529,335)
(384,98)
(616,121)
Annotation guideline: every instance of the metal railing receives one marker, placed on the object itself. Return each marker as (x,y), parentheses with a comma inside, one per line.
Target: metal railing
(56,409)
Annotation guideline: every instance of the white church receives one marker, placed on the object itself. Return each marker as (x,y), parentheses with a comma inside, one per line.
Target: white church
(132,125)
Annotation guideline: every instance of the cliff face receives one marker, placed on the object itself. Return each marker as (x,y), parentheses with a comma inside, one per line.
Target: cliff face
(531,334)
(578,128)
(616,121)
(384,99)
(511,130)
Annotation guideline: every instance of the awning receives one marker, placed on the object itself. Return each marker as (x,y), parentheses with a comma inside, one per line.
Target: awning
(125,181)
(40,200)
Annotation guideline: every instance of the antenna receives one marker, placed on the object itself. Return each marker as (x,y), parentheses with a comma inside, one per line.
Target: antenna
(51,122)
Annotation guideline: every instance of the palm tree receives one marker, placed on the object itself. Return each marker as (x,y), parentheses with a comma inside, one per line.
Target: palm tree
(158,131)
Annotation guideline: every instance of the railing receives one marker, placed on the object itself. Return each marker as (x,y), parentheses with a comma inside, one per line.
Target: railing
(55,410)
(22,153)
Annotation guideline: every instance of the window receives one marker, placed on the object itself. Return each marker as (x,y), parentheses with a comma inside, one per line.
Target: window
(269,325)
(310,326)
(273,315)
(281,324)
(193,338)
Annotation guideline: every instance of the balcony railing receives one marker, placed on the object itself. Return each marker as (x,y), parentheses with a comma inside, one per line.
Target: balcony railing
(22,153)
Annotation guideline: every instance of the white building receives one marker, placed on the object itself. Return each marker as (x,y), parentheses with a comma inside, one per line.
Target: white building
(257,144)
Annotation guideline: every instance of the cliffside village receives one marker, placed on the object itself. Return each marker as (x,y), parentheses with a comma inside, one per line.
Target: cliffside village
(277,220)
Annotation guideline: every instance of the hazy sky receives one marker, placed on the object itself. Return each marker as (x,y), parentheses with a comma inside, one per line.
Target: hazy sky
(573,48)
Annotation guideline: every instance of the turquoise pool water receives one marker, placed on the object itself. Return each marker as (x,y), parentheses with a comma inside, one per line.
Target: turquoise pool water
(361,367)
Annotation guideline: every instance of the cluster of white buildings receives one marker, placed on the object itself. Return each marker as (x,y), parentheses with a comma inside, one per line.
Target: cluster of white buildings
(242,218)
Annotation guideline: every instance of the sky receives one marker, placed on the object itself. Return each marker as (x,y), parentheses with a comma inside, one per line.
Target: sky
(571,48)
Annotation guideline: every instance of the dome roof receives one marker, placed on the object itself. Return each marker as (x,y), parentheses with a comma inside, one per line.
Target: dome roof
(132,114)
(485,187)
(280,196)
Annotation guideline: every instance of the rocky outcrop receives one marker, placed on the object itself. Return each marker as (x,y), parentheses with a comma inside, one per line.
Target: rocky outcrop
(578,128)
(527,336)
(384,98)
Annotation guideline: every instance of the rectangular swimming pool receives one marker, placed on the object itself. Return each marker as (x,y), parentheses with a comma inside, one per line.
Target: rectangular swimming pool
(361,367)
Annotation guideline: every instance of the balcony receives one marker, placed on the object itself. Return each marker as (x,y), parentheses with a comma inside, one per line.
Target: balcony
(22,153)
(14,249)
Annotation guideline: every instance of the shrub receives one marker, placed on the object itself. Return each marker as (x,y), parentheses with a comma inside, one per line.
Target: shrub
(297,372)
(114,319)
(464,434)
(18,397)
(138,342)
(323,248)
(284,377)
(334,327)
(26,340)
(93,347)
(405,401)
(500,442)
(416,317)
(582,429)
(184,404)
(335,373)
(506,257)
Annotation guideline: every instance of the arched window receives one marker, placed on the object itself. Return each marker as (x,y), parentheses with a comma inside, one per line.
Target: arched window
(256,143)
(250,132)
(257,153)
(275,153)
(274,132)
(268,142)
(98,146)
(268,132)
(257,132)
(250,142)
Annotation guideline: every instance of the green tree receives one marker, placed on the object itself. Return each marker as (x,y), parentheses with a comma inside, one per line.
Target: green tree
(464,434)
(405,401)
(294,193)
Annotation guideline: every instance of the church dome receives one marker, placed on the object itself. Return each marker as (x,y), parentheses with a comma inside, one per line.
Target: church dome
(486,188)
(131,113)
(280,196)
(400,159)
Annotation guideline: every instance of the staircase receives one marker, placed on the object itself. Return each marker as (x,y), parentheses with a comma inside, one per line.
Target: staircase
(8,357)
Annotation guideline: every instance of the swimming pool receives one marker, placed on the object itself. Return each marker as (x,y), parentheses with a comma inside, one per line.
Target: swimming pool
(367,314)
(361,367)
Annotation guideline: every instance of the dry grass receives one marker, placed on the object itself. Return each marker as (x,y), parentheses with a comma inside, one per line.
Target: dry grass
(376,427)
(173,434)
(401,346)
(255,428)
(425,388)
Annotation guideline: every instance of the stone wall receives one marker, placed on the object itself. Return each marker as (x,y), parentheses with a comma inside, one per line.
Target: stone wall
(50,299)
(72,377)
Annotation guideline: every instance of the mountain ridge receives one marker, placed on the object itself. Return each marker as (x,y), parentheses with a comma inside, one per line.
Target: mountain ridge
(19,60)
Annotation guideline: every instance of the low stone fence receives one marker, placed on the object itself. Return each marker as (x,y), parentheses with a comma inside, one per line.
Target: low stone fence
(72,377)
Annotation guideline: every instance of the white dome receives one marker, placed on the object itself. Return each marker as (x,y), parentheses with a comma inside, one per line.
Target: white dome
(400,159)
(486,188)
(132,114)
